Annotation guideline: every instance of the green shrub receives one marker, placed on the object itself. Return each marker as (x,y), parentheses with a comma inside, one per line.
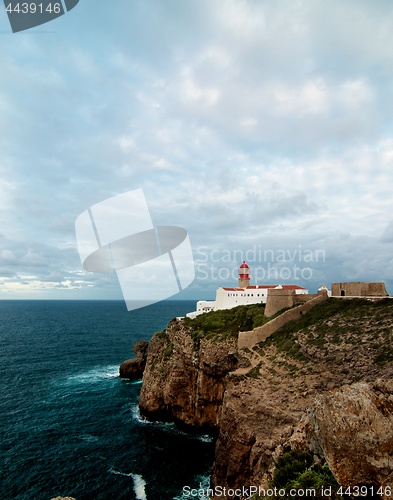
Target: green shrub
(225,324)
(168,351)
(162,334)
(298,471)
(289,466)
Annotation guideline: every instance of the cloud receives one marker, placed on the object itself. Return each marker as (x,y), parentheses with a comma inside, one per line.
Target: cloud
(245,122)
(387,236)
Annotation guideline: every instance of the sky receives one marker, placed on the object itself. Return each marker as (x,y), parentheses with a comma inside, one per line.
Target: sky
(263,128)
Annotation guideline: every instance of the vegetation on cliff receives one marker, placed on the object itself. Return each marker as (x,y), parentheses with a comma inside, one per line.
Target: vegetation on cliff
(341,332)
(227,323)
(297,470)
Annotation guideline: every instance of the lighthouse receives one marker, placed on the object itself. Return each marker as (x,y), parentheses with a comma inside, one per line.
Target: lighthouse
(244,275)
(242,295)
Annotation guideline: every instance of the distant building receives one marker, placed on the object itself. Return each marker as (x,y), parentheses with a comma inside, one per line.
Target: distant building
(243,294)
(359,289)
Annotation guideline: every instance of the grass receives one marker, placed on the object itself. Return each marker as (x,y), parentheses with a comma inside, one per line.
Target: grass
(341,312)
(226,324)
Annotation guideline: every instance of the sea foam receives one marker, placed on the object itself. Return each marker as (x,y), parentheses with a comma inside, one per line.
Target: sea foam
(139,483)
(139,487)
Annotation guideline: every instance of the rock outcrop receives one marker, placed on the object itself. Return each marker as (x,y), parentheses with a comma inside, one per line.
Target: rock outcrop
(133,368)
(184,379)
(363,412)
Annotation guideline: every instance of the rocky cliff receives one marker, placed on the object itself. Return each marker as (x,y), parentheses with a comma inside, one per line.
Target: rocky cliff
(184,378)
(363,412)
(322,384)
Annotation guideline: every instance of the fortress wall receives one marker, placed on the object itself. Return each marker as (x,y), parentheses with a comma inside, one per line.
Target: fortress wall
(377,290)
(260,334)
(359,289)
(351,289)
(277,299)
(280,298)
(301,298)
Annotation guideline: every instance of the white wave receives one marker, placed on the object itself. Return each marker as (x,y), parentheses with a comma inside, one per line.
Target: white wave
(114,471)
(139,487)
(205,438)
(139,483)
(97,374)
(136,415)
(169,426)
(136,382)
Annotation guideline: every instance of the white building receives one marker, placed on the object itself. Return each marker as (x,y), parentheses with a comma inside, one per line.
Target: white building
(243,294)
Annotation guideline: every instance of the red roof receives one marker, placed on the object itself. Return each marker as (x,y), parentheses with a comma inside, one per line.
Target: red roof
(244,266)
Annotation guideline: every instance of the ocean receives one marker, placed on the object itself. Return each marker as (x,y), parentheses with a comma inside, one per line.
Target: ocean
(69,425)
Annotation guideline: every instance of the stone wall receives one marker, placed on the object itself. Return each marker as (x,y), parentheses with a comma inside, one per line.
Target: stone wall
(261,333)
(281,298)
(277,299)
(359,289)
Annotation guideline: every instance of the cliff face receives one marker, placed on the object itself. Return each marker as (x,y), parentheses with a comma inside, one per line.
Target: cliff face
(255,423)
(323,384)
(296,367)
(184,379)
(364,412)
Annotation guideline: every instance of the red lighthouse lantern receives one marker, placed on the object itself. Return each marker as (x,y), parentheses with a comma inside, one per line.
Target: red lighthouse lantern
(244,275)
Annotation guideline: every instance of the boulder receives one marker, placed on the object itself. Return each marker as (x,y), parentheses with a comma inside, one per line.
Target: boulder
(133,368)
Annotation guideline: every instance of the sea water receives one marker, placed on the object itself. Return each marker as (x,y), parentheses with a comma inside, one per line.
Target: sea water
(69,425)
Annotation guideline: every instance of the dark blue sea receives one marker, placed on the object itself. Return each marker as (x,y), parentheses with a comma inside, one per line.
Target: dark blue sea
(69,425)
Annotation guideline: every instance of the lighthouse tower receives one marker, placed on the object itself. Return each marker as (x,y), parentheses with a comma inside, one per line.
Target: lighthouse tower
(244,275)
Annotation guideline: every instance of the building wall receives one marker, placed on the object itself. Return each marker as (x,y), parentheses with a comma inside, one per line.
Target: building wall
(278,298)
(203,306)
(243,282)
(359,289)
(228,299)
(377,290)
(305,297)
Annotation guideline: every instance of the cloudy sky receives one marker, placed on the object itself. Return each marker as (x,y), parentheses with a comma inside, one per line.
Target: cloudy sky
(259,126)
